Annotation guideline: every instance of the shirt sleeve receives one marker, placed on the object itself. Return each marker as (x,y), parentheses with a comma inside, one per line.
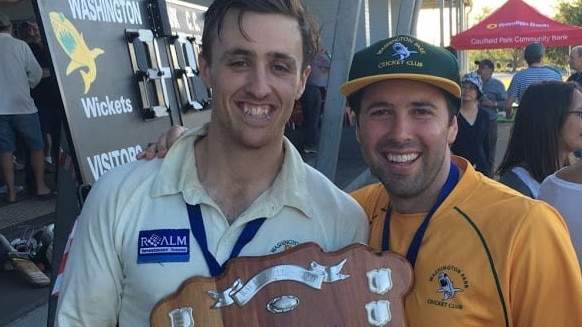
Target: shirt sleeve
(513,89)
(545,272)
(90,293)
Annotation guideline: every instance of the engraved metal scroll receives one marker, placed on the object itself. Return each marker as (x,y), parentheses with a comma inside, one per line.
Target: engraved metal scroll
(314,277)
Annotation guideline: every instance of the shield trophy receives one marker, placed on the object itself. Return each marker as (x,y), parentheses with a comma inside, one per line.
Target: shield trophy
(304,286)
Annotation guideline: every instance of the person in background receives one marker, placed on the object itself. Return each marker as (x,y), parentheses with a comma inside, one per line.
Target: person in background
(535,72)
(236,176)
(563,190)
(18,115)
(311,101)
(547,129)
(472,141)
(575,62)
(494,96)
(482,254)
(452,50)
(46,95)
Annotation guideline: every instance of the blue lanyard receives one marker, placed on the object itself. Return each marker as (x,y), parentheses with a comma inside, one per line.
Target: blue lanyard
(197,227)
(414,247)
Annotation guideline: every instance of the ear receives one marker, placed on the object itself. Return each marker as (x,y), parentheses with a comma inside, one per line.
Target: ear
(453,130)
(204,68)
(358,133)
(302,82)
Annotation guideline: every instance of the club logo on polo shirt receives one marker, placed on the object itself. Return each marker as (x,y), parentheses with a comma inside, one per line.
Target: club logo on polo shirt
(283,246)
(447,288)
(449,283)
(163,245)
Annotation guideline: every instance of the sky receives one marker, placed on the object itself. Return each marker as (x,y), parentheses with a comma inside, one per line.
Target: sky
(546,7)
(432,35)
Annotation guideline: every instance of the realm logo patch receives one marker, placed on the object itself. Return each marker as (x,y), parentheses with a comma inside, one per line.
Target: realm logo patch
(73,43)
(163,245)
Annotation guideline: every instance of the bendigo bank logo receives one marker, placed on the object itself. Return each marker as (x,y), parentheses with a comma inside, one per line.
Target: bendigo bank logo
(74,45)
(491,26)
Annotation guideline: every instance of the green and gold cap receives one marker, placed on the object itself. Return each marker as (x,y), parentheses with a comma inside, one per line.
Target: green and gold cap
(404,57)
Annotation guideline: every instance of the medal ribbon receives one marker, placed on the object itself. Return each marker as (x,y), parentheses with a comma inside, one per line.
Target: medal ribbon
(197,227)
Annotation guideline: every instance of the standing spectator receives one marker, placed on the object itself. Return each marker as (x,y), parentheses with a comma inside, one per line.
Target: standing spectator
(575,62)
(563,190)
(20,72)
(311,100)
(46,95)
(452,50)
(546,131)
(535,72)
(472,142)
(494,96)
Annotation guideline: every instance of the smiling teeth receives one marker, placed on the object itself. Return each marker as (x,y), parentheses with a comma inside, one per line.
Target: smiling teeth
(256,112)
(402,158)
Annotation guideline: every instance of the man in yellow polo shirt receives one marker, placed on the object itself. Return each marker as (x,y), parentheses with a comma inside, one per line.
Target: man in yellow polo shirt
(483,255)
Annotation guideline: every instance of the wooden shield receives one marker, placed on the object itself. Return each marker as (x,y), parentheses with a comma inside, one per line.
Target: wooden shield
(304,286)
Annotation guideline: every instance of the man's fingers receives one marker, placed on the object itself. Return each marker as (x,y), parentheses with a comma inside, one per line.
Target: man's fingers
(162,145)
(165,141)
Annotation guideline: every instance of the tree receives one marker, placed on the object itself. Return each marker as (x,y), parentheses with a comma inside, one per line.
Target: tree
(567,12)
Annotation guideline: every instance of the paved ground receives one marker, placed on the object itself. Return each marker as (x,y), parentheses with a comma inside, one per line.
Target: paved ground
(25,306)
(18,298)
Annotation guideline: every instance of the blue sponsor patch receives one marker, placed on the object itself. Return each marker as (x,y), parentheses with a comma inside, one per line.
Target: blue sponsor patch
(163,245)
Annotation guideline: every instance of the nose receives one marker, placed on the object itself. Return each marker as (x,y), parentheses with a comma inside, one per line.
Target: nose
(259,83)
(400,128)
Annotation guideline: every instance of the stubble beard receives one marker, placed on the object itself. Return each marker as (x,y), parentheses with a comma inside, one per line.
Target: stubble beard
(409,186)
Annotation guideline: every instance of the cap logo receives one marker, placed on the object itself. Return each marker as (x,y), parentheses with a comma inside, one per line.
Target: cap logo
(402,51)
(402,48)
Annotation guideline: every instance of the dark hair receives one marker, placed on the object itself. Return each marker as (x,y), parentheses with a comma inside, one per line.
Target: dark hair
(355,103)
(452,50)
(214,19)
(535,135)
(534,59)
(24,28)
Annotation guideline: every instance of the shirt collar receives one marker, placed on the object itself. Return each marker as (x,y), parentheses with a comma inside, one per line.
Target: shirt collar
(178,174)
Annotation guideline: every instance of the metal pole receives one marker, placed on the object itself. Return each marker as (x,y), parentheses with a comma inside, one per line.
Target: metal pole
(333,112)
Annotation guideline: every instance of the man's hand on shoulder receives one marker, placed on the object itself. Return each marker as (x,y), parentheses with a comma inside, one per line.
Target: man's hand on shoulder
(165,141)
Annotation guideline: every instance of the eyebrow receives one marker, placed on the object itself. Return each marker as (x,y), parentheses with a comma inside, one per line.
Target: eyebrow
(424,103)
(377,104)
(237,52)
(248,53)
(420,103)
